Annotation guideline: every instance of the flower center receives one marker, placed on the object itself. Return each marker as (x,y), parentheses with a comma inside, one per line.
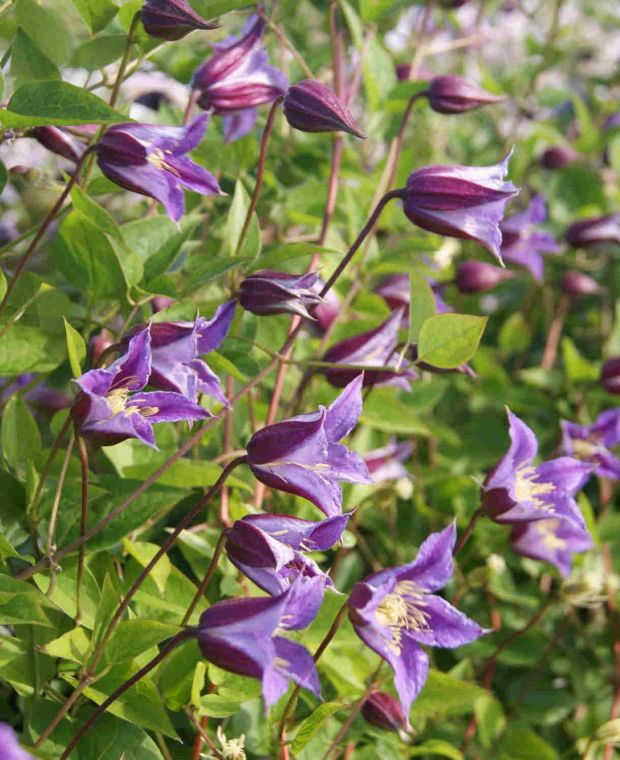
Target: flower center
(585,449)
(546,529)
(401,611)
(117,400)
(157,157)
(528,489)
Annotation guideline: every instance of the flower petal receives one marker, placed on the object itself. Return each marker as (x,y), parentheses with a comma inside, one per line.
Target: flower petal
(448,628)
(343,414)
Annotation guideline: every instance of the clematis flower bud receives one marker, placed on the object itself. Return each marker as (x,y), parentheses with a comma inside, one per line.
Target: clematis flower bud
(312,107)
(558,157)
(460,201)
(478,276)
(579,284)
(327,311)
(171,19)
(384,711)
(454,94)
(159,303)
(100,343)
(610,375)
(596,229)
(59,142)
(270,292)
(421,73)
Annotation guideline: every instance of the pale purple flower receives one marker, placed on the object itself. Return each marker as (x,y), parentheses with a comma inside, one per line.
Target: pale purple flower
(151,159)
(522,241)
(517,490)
(579,284)
(395,611)
(386,464)
(303,456)
(553,541)
(593,230)
(592,443)
(9,746)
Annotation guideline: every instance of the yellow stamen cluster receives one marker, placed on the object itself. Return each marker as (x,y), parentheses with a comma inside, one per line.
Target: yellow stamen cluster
(117,401)
(401,610)
(546,529)
(528,489)
(585,449)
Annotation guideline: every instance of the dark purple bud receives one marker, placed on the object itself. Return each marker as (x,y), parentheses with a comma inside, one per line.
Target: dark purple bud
(579,284)
(270,292)
(597,229)
(59,142)
(610,375)
(312,107)
(159,303)
(171,19)
(453,3)
(327,311)
(99,344)
(454,94)
(558,158)
(384,711)
(152,99)
(421,73)
(478,276)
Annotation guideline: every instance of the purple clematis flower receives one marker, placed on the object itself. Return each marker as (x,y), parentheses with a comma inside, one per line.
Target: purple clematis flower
(175,348)
(453,94)
(460,201)
(610,375)
(151,160)
(383,711)
(523,243)
(592,443)
(375,348)
(303,456)
(112,406)
(270,548)
(243,636)
(595,229)
(553,541)
(478,276)
(517,490)
(386,464)
(270,292)
(9,746)
(396,292)
(311,106)
(171,19)
(395,610)
(237,78)
(59,141)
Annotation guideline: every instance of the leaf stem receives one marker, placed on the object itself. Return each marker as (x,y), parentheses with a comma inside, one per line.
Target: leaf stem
(217,553)
(83,454)
(125,59)
(464,537)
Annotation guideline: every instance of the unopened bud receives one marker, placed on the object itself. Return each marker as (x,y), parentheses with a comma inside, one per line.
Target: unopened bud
(59,142)
(478,276)
(312,107)
(384,711)
(454,94)
(596,229)
(558,157)
(579,284)
(610,375)
(171,19)
(270,292)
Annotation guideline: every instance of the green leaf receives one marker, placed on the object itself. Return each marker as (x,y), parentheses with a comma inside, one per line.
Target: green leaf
(522,744)
(309,727)
(445,695)
(95,213)
(3,284)
(578,368)
(276,258)
(72,646)
(29,349)
(448,340)
(27,63)
(110,733)
(388,413)
(6,550)
(95,54)
(76,348)
(96,13)
(236,218)
(379,73)
(176,676)
(143,553)
(19,434)
(39,103)
(4,177)
(436,747)
(421,303)
(490,718)
(133,637)
(211,8)
(22,603)
(45,29)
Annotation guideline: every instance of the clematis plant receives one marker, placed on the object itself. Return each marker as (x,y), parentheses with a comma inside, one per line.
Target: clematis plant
(386,464)
(270,292)
(171,19)
(593,443)
(395,611)
(311,106)
(522,241)
(554,540)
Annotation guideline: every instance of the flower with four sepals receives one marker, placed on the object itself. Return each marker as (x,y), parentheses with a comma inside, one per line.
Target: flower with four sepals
(592,443)
(522,240)
(554,541)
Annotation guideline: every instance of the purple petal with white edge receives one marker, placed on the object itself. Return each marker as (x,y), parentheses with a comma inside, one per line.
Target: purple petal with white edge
(433,566)
(607,427)
(447,627)
(212,332)
(231,617)
(607,465)
(552,541)
(143,429)
(96,381)
(163,406)
(191,135)
(239,124)
(343,414)
(133,369)
(566,473)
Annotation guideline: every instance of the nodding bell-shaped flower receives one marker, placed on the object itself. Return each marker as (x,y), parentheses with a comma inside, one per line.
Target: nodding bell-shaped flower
(113,407)
(453,94)
(395,611)
(171,19)
(517,490)
(312,107)
(10,746)
(592,443)
(243,636)
(553,541)
(375,348)
(460,201)
(386,464)
(151,160)
(610,375)
(303,456)
(270,292)
(558,157)
(383,711)
(59,141)
(237,78)
(478,276)
(579,284)
(271,549)
(522,241)
(596,229)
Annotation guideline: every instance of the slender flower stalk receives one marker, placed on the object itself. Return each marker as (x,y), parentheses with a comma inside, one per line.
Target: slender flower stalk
(131,35)
(54,514)
(204,584)
(81,447)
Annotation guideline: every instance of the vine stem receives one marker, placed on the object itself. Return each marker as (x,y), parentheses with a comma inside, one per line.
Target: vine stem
(83,454)
(217,553)
(260,173)
(125,59)
(43,228)
(614,624)
(88,675)
(163,653)
(555,333)
(54,513)
(464,537)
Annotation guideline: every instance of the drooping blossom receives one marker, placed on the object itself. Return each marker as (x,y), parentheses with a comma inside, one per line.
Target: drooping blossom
(375,348)
(311,106)
(270,549)
(171,19)
(595,229)
(478,276)
(9,746)
(554,541)
(112,405)
(579,284)
(303,456)
(395,611)
(151,160)
(460,201)
(610,375)
(517,490)
(522,241)
(176,348)
(386,464)
(593,443)
(270,292)
(59,141)
(244,636)
(454,94)
(237,78)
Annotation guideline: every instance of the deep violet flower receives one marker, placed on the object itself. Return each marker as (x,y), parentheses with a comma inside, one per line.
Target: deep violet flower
(151,160)
(592,443)
(522,241)
(595,229)
(453,94)
(171,19)
(271,549)
(383,711)
(478,276)
(270,292)
(394,611)
(10,746)
(311,106)
(303,456)
(386,464)
(517,490)
(112,406)
(59,141)
(244,636)
(558,157)
(375,348)
(41,396)
(553,541)
(460,201)
(176,348)
(610,375)
(237,78)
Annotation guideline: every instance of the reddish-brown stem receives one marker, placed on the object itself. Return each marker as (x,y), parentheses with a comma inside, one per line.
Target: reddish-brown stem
(228,427)
(83,454)
(200,726)
(191,102)
(555,333)
(614,625)
(400,137)
(217,553)
(464,537)
(198,740)
(125,60)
